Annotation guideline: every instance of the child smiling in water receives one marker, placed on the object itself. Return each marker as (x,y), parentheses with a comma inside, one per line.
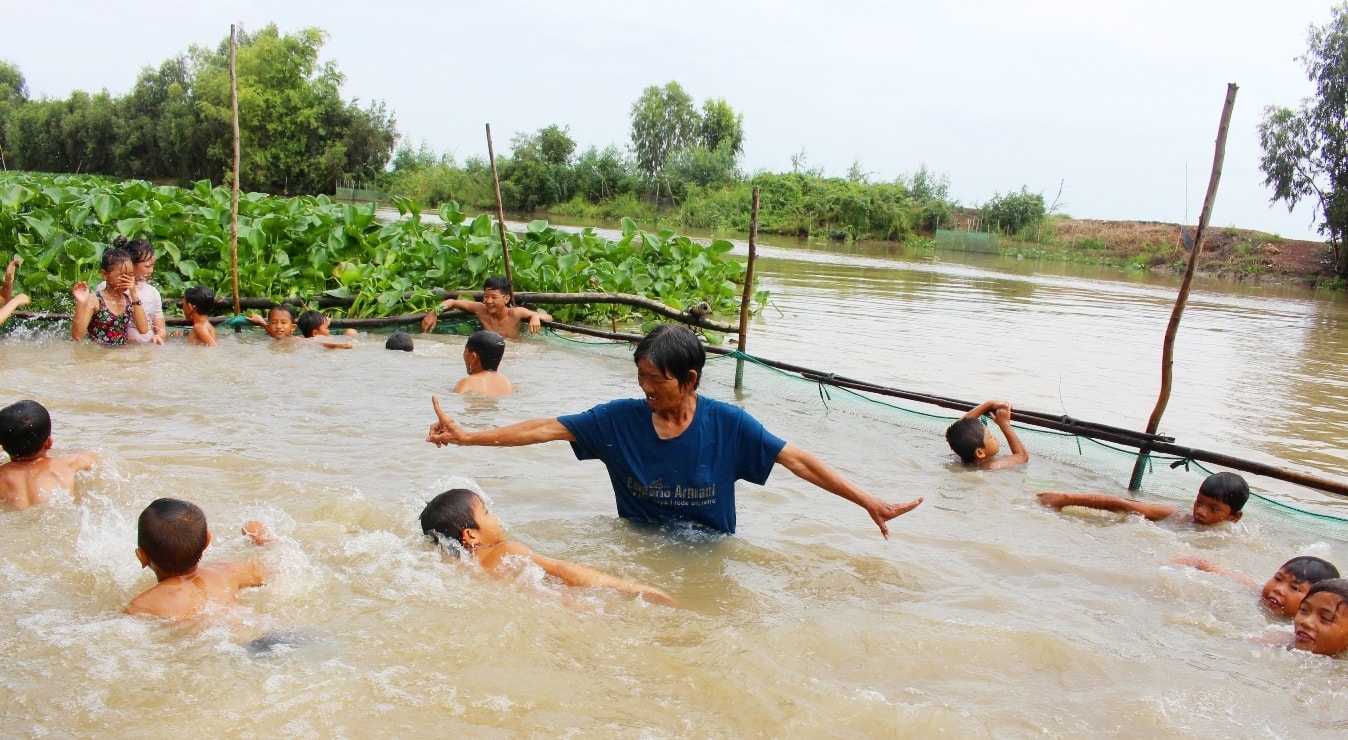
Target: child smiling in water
(1220,499)
(460,516)
(1283,592)
(1321,624)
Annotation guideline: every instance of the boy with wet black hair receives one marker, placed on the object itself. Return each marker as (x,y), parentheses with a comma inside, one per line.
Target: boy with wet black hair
(976,445)
(280,321)
(482,355)
(171,536)
(198,304)
(459,516)
(32,475)
(314,325)
(1321,623)
(495,311)
(1220,499)
(1285,590)
(399,340)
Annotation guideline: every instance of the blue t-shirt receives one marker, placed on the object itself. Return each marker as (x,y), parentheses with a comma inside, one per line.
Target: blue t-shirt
(691,476)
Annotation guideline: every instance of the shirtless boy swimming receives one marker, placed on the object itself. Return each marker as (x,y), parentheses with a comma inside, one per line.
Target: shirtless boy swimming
(32,475)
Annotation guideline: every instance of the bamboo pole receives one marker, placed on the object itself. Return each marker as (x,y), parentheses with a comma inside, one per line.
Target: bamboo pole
(1172,329)
(500,207)
(234,196)
(748,289)
(749,274)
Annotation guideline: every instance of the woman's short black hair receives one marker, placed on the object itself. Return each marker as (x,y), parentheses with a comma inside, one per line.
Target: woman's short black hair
(675,351)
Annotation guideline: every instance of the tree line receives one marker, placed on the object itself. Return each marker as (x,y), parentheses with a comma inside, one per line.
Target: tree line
(175,124)
(681,164)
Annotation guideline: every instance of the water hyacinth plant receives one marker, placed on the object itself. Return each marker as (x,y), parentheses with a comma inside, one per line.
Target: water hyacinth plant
(309,246)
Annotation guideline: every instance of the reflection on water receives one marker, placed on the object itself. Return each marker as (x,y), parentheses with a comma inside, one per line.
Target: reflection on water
(984,614)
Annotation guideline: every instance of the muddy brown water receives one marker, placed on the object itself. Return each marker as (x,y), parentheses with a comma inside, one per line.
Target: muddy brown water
(984,614)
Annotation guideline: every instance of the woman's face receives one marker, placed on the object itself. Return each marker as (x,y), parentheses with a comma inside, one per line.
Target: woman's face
(663,393)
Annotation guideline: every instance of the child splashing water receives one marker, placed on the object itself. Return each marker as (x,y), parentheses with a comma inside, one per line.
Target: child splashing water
(105,315)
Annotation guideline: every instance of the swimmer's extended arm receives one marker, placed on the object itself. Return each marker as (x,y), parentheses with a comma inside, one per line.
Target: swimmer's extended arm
(1107,502)
(1208,566)
(811,469)
(429,320)
(574,574)
(535,318)
(446,431)
(986,407)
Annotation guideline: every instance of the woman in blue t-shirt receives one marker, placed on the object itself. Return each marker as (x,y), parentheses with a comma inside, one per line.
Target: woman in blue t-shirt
(674,455)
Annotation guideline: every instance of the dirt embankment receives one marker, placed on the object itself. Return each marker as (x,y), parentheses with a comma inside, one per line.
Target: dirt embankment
(1236,253)
(1227,251)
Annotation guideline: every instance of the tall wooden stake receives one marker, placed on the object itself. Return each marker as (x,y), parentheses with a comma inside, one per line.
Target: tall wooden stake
(748,289)
(500,207)
(1168,346)
(234,199)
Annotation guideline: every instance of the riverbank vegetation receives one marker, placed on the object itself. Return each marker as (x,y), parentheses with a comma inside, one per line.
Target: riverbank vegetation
(308,246)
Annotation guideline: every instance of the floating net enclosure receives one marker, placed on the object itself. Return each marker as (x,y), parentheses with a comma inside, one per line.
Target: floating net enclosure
(968,241)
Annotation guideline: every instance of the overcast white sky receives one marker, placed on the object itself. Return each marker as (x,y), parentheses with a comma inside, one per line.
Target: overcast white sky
(1119,100)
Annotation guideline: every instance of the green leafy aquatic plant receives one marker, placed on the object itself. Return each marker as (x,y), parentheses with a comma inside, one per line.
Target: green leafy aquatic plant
(309,246)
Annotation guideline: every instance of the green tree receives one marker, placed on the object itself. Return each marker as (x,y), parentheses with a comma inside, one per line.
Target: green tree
(1306,150)
(1014,211)
(664,122)
(297,134)
(720,127)
(13,94)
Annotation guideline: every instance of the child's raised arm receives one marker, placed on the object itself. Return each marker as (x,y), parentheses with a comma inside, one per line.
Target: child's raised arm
(17,302)
(84,310)
(983,408)
(1152,511)
(1019,455)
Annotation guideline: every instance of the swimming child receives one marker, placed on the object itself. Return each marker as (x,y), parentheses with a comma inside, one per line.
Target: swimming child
(280,323)
(494,311)
(1220,499)
(198,303)
(32,475)
(481,357)
(171,536)
(977,445)
(1285,590)
(460,516)
(399,340)
(106,314)
(143,261)
(1321,624)
(314,325)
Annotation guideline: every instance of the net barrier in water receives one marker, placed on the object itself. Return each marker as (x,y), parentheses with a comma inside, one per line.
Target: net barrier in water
(1173,476)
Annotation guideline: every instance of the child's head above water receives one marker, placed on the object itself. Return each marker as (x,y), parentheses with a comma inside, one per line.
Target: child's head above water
(171,535)
(459,515)
(311,321)
(25,429)
(1321,624)
(1220,499)
(399,340)
(200,298)
(281,321)
(1284,592)
(971,440)
(489,348)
